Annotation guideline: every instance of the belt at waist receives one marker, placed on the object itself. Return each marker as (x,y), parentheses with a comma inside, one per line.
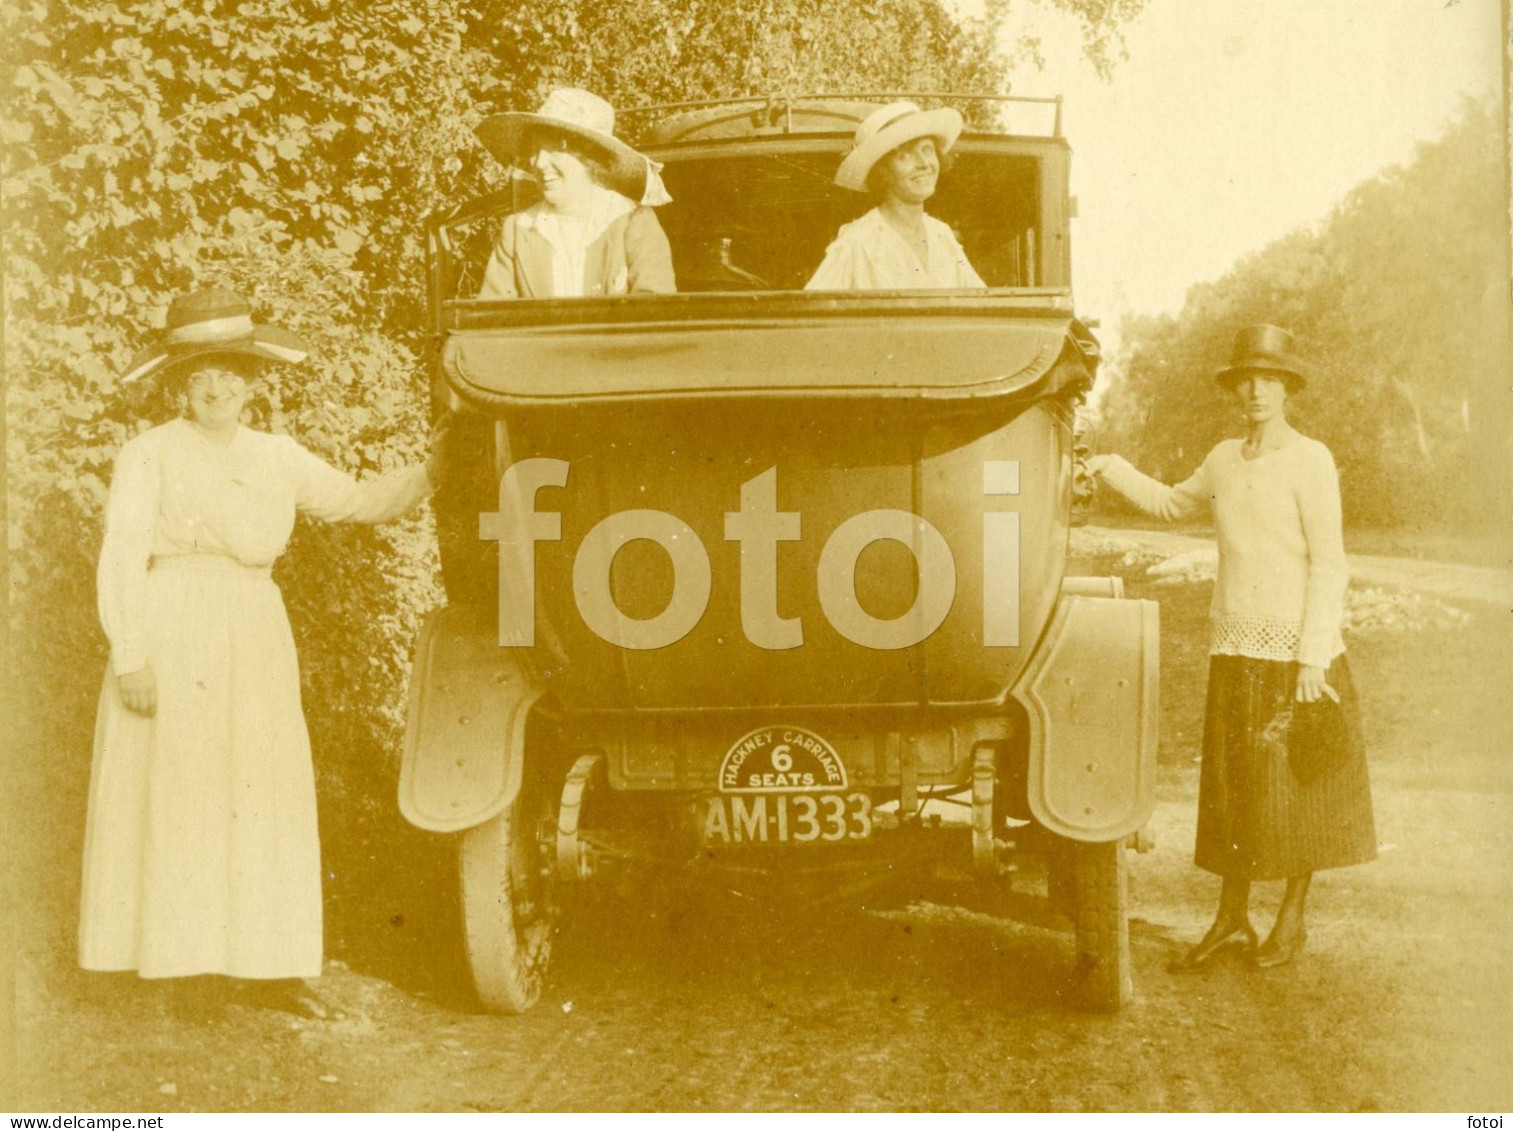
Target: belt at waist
(208,563)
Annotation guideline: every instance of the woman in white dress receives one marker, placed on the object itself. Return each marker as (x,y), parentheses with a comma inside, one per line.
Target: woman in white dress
(202,854)
(897,157)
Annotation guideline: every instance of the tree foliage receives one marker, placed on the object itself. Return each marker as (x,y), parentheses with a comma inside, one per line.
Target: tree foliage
(1400,301)
(275,147)
(654,51)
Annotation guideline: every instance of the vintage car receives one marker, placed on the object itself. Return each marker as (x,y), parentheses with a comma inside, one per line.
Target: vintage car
(748,577)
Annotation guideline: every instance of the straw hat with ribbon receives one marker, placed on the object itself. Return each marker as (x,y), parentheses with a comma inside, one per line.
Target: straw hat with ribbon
(1264,349)
(588,119)
(887,128)
(213,321)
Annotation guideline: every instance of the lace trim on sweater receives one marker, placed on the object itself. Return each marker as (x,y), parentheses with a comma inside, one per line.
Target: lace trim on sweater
(1260,638)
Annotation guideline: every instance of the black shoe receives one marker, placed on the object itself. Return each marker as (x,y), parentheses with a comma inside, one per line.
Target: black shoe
(1242,936)
(1274,952)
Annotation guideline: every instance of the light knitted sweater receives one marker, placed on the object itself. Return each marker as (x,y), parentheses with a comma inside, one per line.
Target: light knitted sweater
(1280,590)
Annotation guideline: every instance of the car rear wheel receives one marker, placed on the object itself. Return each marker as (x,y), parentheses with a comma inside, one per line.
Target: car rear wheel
(1099,906)
(507,912)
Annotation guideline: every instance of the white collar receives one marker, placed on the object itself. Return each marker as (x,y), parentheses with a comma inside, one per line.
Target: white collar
(605,207)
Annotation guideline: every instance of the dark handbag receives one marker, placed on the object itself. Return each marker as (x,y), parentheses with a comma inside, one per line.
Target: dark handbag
(1318,740)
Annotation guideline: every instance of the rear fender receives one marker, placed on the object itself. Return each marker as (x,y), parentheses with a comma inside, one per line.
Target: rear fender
(1091,693)
(464,744)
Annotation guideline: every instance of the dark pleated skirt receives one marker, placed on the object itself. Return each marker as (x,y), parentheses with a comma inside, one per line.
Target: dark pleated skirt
(1284,789)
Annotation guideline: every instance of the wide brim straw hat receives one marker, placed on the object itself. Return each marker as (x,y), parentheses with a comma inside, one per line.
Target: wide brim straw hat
(888,127)
(213,321)
(587,118)
(1264,349)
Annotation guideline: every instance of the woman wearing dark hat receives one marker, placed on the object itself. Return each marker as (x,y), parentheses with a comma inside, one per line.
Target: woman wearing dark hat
(201,851)
(897,158)
(1284,791)
(593,232)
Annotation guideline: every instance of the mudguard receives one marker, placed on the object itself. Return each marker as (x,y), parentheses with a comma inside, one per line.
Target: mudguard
(1092,696)
(465,733)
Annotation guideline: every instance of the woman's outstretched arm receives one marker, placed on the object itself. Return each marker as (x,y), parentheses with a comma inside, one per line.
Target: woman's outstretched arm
(1151,495)
(323,492)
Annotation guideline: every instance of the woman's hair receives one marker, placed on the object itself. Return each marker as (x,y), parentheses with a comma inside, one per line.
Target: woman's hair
(591,155)
(598,165)
(247,367)
(1290,381)
(875,184)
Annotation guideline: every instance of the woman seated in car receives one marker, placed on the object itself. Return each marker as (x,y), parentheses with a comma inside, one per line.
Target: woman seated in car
(593,232)
(897,157)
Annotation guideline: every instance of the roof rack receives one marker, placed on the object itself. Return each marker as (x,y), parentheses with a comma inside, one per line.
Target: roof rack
(782,104)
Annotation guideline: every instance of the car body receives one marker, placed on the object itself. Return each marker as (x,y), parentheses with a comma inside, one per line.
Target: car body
(748,576)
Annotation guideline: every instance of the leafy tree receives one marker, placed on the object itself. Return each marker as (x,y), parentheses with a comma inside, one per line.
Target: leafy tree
(1400,300)
(273,146)
(635,52)
(644,51)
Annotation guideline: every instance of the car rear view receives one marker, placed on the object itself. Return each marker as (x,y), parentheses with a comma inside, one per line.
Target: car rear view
(758,578)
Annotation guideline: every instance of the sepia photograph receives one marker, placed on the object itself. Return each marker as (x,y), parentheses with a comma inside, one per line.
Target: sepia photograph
(757,556)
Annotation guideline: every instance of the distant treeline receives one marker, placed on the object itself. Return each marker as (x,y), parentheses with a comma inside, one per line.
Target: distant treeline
(1400,301)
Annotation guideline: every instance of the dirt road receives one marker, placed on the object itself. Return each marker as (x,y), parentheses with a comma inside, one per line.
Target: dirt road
(1437,579)
(922,999)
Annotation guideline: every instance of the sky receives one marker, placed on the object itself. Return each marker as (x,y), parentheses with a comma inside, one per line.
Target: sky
(1234,122)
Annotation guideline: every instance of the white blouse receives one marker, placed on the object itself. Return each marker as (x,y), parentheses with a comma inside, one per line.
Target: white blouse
(570,236)
(1280,590)
(868,254)
(175,493)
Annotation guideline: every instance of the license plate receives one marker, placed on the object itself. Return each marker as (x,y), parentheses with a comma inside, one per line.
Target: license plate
(787,818)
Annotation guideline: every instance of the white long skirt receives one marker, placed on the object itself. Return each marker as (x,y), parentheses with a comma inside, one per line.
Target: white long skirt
(202,852)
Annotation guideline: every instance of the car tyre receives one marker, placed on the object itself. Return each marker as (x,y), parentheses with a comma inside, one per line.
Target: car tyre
(508,916)
(1100,896)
